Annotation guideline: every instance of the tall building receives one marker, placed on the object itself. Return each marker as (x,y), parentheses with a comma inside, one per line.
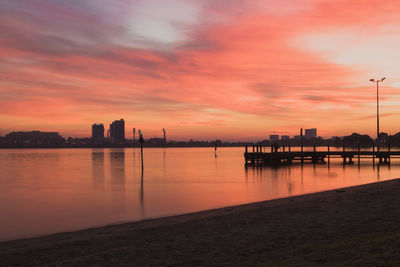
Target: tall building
(117,131)
(285,137)
(274,138)
(98,133)
(311,133)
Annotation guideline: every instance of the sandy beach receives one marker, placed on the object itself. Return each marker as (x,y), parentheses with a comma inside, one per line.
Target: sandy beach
(351,226)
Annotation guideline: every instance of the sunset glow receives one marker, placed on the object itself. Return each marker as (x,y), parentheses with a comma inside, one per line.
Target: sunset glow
(232,70)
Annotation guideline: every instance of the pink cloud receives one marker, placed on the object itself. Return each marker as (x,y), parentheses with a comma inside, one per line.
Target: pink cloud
(237,69)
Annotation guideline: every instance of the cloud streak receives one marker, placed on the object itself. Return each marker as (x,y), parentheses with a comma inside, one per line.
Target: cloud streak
(249,67)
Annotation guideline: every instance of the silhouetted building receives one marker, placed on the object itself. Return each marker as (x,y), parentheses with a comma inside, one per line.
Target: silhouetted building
(98,133)
(285,137)
(117,131)
(79,141)
(310,133)
(165,135)
(274,138)
(297,137)
(156,141)
(35,138)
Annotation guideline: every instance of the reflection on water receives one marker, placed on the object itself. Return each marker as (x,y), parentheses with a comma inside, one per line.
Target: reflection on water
(98,168)
(93,187)
(141,200)
(117,168)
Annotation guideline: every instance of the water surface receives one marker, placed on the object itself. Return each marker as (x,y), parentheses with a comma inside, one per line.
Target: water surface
(46,191)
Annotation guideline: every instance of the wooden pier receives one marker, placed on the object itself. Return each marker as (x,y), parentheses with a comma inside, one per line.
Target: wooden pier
(259,156)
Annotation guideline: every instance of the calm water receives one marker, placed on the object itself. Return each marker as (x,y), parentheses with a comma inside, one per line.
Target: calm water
(54,190)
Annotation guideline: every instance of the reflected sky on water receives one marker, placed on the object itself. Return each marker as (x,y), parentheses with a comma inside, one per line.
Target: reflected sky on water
(53,190)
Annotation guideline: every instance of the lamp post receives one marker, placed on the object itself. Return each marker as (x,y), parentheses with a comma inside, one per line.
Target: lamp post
(377,110)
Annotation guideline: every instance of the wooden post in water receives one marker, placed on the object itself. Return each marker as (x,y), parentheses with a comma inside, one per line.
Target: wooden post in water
(253,149)
(245,147)
(283,148)
(289,148)
(389,152)
(358,150)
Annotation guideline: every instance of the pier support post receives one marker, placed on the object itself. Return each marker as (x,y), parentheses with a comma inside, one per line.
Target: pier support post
(329,154)
(373,153)
(301,144)
(302,153)
(344,155)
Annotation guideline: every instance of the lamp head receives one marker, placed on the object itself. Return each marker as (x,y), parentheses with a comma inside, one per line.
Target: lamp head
(371,80)
(383,79)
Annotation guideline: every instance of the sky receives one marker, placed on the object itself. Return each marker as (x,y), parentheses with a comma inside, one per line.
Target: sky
(203,69)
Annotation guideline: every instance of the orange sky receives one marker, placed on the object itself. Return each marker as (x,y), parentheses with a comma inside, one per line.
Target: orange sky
(227,69)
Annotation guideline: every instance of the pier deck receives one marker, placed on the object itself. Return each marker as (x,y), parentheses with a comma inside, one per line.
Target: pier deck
(259,158)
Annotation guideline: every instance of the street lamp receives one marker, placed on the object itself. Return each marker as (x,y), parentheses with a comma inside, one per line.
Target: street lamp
(377,110)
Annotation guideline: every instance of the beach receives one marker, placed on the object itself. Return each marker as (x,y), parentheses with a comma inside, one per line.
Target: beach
(350,226)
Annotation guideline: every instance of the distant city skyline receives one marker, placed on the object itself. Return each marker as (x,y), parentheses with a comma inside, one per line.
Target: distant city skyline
(97,127)
(201,69)
(115,138)
(117,133)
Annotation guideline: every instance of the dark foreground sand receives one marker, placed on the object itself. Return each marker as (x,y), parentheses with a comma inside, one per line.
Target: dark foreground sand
(354,226)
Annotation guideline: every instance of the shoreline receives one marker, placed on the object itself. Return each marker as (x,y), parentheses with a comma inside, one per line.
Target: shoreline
(351,223)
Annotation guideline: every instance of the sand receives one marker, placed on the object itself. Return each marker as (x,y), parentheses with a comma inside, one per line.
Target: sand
(352,226)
